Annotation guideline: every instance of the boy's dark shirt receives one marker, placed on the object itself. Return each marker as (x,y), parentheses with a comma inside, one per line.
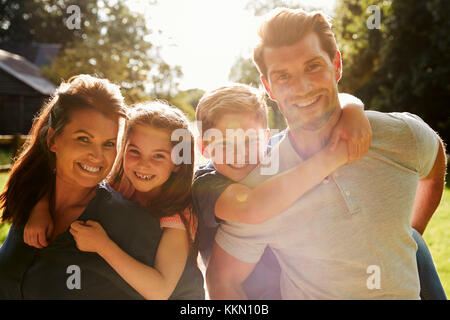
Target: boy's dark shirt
(208,185)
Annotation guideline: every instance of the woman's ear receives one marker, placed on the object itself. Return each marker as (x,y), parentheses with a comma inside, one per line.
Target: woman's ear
(50,140)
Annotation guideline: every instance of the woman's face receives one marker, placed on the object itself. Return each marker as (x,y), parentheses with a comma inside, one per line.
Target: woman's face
(147,160)
(86,148)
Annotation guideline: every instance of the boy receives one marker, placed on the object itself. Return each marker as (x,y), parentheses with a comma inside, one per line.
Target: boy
(216,192)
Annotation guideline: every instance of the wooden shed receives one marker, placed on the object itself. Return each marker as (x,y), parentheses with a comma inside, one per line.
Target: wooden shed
(22,93)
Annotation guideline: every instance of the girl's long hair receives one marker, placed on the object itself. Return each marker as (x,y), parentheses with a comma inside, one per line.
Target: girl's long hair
(33,172)
(175,196)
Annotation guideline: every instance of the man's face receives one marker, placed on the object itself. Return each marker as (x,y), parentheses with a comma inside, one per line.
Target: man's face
(302,79)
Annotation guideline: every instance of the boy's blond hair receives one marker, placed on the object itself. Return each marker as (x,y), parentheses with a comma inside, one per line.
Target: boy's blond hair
(285,27)
(230,99)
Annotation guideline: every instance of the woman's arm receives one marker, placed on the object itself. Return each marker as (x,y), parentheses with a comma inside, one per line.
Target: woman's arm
(239,203)
(155,283)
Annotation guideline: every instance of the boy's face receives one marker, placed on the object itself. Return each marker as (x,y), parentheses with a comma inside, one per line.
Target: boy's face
(302,79)
(235,152)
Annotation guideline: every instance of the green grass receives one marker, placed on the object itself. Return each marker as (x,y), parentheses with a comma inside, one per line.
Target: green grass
(437,236)
(5,156)
(3,177)
(4,228)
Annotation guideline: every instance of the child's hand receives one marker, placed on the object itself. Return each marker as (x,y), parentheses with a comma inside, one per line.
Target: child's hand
(354,128)
(39,227)
(89,236)
(124,186)
(339,152)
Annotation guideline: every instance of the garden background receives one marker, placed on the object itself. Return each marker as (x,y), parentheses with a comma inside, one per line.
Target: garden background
(401,64)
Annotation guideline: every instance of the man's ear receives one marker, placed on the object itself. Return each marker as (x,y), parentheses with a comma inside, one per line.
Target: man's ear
(337,61)
(266,87)
(50,140)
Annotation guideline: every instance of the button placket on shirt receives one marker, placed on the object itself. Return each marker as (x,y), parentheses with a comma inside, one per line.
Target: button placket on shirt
(352,206)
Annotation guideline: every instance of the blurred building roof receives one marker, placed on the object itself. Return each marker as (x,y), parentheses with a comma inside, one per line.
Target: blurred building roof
(25,71)
(41,54)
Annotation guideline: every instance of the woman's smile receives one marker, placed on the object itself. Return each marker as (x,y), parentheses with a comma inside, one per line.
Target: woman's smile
(89,168)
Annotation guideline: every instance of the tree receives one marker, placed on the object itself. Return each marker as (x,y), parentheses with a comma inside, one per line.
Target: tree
(244,71)
(187,101)
(261,7)
(111,43)
(402,66)
(35,21)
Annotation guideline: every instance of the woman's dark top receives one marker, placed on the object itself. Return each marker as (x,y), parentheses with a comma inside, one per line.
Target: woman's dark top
(30,273)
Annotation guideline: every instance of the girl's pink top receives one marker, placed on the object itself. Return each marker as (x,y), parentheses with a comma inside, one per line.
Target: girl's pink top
(175,221)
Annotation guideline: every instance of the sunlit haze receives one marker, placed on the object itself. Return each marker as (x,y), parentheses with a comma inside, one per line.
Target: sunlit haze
(204,37)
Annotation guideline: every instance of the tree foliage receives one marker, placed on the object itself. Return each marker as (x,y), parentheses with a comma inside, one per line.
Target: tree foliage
(402,66)
(244,71)
(187,100)
(261,7)
(112,42)
(36,21)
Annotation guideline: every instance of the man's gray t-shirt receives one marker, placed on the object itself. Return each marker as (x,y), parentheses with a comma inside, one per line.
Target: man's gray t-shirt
(350,236)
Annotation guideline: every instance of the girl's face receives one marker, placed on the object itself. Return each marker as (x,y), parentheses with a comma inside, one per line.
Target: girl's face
(147,160)
(86,148)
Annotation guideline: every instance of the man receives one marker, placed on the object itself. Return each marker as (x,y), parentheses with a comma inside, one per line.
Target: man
(351,236)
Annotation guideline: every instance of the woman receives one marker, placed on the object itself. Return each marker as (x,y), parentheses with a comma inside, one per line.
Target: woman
(71,150)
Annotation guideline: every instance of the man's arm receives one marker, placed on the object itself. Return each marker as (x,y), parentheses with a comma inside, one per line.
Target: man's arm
(429,192)
(429,160)
(225,275)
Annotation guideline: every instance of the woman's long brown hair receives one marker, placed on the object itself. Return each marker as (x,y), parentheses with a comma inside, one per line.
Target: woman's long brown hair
(32,175)
(175,194)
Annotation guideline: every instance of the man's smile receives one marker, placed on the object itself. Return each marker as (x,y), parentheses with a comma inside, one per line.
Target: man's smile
(311,102)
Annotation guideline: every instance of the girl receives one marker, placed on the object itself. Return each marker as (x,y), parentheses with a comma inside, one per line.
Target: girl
(165,188)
